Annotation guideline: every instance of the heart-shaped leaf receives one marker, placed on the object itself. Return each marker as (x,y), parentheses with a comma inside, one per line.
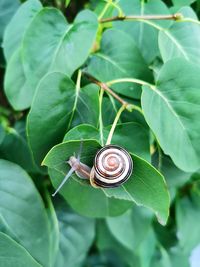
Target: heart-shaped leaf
(76,236)
(56,102)
(50,44)
(172,108)
(12,254)
(8,8)
(188,208)
(14,148)
(15,30)
(119,60)
(183,2)
(16,84)
(138,223)
(122,255)
(181,39)
(144,35)
(23,212)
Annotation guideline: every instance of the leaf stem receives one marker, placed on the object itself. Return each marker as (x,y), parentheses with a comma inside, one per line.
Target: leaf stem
(113,103)
(100,116)
(108,4)
(104,11)
(130,80)
(123,107)
(176,16)
(189,20)
(159,157)
(78,86)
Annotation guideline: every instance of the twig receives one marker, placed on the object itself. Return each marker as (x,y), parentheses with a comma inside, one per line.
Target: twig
(176,16)
(106,88)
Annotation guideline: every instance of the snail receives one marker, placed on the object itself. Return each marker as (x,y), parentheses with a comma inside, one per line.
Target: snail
(112,167)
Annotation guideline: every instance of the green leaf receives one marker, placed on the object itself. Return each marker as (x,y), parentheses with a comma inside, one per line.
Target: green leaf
(86,110)
(12,254)
(2,134)
(15,30)
(7,9)
(83,131)
(76,236)
(132,136)
(147,249)
(119,60)
(175,177)
(145,187)
(50,44)
(16,85)
(67,2)
(135,136)
(161,258)
(140,257)
(23,211)
(179,258)
(187,216)
(112,249)
(90,202)
(183,2)
(137,222)
(55,106)
(144,35)
(182,39)
(54,228)
(171,109)
(52,106)
(14,148)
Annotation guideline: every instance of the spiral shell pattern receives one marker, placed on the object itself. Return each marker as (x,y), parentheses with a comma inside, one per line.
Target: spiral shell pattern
(113,165)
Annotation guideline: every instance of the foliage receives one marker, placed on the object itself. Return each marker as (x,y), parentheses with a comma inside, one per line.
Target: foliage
(51,104)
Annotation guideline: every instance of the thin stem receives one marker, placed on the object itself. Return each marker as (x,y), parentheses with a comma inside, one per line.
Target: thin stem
(129,80)
(113,103)
(148,22)
(120,11)
(78,86)
(176,16)
(189,20)
(104,11)
(100,116)
(106,88)
(134,107)
(108,4)
(159,157)
(123,107)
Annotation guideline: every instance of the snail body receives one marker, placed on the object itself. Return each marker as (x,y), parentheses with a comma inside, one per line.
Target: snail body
(81,169)
(112,167)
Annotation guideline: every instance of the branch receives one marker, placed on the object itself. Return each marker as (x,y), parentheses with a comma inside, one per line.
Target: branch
(175,17)
(105,88)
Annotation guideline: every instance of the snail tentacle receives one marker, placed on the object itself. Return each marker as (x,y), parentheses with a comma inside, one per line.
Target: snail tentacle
(71,171)
(112,167)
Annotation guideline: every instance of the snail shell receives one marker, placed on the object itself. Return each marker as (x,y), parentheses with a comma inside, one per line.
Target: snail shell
(113,166)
